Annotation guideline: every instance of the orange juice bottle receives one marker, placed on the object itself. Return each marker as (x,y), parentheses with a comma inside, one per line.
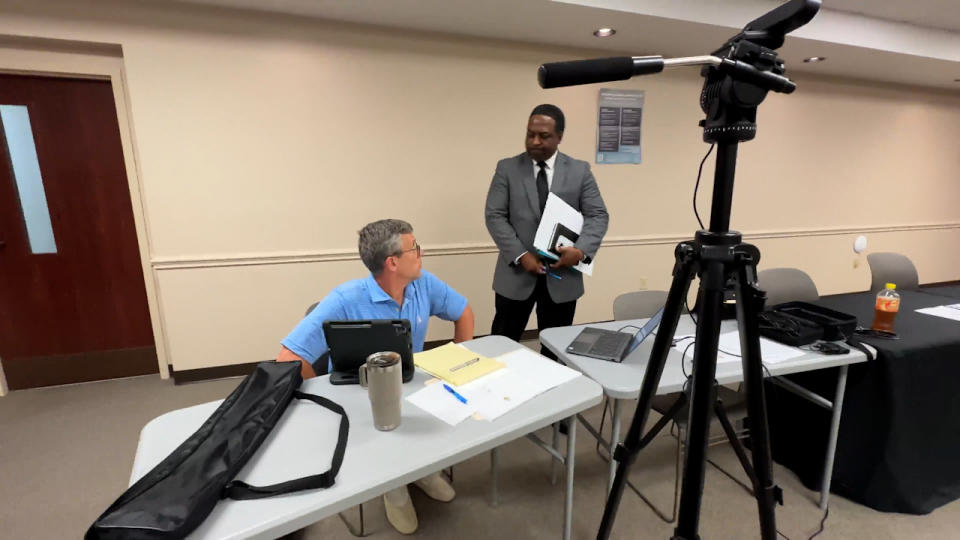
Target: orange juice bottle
(886,308)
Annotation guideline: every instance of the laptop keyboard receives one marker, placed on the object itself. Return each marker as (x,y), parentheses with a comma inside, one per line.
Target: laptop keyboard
(607,345)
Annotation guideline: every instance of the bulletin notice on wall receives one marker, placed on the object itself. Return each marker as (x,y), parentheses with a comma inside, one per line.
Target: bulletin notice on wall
(618,126)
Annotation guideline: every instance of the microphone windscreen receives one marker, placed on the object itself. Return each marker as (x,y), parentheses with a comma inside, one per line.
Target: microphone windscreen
(559,74)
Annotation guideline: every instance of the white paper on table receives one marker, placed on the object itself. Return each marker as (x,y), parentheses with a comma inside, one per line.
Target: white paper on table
(771,351)
(526,376)
(436,400)
(951,312)
(729,349)
(498,393)
(558,211)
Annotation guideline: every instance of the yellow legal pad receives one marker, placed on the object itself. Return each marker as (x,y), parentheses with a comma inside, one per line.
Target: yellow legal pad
(455,364)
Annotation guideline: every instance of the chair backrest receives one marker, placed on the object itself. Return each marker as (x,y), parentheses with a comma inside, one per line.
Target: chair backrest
(638,305)
(892,268)
(322,365)
(787,285)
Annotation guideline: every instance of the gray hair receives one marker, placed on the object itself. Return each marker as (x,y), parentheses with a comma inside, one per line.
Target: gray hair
(381,239)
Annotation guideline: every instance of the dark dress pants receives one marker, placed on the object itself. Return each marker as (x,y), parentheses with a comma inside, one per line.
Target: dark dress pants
(511,316)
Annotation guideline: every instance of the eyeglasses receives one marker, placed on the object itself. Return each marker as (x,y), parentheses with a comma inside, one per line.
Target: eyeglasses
(416,247)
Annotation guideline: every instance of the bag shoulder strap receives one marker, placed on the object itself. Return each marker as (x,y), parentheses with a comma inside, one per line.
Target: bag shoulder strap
(239,490)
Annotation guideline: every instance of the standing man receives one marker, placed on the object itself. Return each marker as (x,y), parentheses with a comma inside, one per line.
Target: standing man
(515,203)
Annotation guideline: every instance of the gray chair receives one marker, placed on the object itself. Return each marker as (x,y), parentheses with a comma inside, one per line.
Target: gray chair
(638,305)
(892,268)
(643,304)
(322,365)
(787,285)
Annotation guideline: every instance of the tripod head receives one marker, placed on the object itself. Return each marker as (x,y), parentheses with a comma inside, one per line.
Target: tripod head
(738,75)
(749,67)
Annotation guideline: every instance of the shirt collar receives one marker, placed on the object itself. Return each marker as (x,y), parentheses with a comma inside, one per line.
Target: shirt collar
(550,161)
(377,294)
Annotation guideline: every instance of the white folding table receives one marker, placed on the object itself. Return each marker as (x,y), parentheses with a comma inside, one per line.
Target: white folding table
(622,381)
(302,443)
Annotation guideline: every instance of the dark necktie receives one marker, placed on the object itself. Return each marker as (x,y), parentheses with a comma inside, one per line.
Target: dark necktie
(542,188)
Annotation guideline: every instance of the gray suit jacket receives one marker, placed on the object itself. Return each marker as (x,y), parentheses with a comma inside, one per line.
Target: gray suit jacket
(513,214)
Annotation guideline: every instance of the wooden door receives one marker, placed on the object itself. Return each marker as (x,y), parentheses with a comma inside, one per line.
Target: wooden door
(73,304)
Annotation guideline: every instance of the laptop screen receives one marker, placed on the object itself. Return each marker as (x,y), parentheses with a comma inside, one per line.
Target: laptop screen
(647,329)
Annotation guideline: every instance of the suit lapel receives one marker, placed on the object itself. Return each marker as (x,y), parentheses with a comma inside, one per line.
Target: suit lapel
(559,173)
(530,183)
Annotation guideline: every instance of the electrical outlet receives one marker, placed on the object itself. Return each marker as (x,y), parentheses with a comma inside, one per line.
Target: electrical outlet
(856,263)
(642,282)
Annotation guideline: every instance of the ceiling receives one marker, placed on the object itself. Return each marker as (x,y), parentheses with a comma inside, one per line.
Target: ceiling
(915,42)
(943,14)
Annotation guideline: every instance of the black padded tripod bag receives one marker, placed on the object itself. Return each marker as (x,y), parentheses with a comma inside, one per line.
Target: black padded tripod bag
(176,496)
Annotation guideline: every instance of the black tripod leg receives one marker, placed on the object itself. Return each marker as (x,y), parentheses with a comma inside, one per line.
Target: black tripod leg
(702,397)
(626,452)
(750,303)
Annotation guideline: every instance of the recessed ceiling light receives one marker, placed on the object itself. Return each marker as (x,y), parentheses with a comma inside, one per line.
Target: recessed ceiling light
(813,59)
(604,32)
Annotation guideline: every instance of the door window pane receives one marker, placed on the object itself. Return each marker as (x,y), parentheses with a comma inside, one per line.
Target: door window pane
(26,171)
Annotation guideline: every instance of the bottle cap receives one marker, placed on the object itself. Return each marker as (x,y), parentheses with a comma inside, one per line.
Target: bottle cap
(891,286)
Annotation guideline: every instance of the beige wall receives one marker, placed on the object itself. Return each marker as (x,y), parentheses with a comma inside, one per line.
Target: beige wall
(266,142)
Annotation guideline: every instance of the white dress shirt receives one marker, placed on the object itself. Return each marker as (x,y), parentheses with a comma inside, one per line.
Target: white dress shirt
(551,161)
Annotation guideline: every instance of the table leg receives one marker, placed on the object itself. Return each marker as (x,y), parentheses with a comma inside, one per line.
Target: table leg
(569,461)
(834,432)
(556,446)
(494,475)
(614,439)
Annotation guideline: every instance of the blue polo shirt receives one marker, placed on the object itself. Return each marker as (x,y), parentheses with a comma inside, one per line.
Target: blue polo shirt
(364,299)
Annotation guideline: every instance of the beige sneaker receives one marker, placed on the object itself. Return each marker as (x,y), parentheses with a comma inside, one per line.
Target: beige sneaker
(400,511)
(436,487)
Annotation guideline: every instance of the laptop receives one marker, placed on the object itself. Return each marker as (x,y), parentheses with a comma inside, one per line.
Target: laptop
(612,345)
(351,342)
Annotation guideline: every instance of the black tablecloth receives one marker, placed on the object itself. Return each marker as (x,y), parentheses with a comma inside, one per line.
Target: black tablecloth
(952,291)
(899,443)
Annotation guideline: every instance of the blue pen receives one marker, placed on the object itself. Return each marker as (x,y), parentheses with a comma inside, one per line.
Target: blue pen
(455,394)
(554,275)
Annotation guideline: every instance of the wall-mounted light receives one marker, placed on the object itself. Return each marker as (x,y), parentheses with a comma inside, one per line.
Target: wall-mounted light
(604,32)
(814,59)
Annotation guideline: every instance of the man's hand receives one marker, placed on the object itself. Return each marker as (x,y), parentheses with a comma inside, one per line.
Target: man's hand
(569,256)
(531,264)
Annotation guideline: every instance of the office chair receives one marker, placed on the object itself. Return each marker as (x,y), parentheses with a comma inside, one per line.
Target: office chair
(322,365)
(638,305)
(892,268)
(787,285)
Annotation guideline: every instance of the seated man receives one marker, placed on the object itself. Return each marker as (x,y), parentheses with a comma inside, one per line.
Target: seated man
(395,289)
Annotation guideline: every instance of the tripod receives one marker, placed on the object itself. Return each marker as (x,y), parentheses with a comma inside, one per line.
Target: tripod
(738,77)
(735,85)
(717,256)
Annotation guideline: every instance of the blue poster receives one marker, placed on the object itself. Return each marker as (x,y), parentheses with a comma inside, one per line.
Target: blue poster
(619,116)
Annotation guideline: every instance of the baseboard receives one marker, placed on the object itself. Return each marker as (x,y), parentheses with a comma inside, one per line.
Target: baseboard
(526,336)
(242,370)
(940,284)
(210,373)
